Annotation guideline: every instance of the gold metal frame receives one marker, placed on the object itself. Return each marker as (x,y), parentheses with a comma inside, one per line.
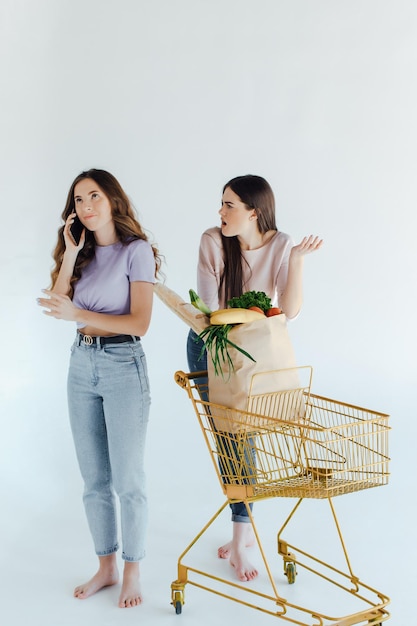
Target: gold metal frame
(291,444)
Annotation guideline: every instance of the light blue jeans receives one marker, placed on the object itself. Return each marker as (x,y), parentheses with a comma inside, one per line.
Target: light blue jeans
(109,401)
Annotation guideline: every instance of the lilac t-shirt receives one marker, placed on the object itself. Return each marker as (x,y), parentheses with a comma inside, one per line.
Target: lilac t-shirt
(104,286)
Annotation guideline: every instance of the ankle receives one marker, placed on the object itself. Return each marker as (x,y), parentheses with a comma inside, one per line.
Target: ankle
(107,563)
(131,568)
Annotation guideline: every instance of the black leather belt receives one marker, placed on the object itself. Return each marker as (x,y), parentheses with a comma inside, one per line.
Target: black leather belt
(88,340)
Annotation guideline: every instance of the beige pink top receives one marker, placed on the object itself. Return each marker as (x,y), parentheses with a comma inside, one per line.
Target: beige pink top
(266,271)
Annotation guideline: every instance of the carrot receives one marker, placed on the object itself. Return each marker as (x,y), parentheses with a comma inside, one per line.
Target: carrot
(273,311)
(256,308)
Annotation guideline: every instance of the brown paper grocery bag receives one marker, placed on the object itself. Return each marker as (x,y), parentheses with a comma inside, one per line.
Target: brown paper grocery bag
(268,342)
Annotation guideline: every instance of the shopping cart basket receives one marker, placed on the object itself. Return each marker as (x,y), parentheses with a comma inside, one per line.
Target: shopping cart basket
(289,444)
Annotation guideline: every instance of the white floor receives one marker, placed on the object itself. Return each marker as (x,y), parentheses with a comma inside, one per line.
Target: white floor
(47,548)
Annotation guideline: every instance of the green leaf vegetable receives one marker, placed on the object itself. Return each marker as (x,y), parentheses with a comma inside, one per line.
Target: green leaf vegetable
(217,344)
(251,298)
(198,302)
(216,340)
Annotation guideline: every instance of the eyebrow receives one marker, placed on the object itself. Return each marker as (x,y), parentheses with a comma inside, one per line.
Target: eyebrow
(88,194)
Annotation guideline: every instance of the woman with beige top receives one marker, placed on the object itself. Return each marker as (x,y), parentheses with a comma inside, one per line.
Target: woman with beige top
(247,253)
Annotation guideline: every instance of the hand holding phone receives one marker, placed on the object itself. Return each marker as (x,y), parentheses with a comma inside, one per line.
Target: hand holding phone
(76,230)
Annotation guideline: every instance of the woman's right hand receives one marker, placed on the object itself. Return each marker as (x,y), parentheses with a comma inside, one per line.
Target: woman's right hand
(70,244)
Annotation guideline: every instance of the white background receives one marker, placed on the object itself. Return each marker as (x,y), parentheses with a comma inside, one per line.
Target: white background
(175,97)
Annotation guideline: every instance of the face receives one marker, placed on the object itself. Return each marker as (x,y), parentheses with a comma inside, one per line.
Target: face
(92,205)
(236,218)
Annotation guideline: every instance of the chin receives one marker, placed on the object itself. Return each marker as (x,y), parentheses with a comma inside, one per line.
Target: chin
(225,233)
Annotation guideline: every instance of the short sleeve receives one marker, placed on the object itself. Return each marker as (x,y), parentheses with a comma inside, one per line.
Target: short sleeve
(141,262)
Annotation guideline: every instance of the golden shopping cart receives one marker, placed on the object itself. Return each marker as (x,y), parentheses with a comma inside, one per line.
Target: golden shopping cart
(290,444)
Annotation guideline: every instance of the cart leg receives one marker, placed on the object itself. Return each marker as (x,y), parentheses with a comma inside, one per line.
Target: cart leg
(289,559)
(177,587)
(280,601)
(353,578)
(177,596)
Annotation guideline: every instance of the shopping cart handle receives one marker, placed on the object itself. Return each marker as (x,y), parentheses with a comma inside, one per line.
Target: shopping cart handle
(181,377)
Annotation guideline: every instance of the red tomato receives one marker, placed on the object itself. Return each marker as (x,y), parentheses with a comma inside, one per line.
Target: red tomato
(273,311)
(256,308)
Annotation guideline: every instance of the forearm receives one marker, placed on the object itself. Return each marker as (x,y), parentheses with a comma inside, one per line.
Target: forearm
(62,284)
(292,298)
(128,324)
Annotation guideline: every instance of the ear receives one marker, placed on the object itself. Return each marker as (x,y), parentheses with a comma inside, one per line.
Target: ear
(253,216)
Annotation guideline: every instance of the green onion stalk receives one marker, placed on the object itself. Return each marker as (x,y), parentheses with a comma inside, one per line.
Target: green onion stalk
(217,344)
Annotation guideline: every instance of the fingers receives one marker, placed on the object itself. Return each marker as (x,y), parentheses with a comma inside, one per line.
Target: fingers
(52,303)
(67,235)
(46,303)
(310,244)
(69,241)
(70,219)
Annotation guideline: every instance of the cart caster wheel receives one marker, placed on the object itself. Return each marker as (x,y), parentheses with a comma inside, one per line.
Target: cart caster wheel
(290,572)
(178,602)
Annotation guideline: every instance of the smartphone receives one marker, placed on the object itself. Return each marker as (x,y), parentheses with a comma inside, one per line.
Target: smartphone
(76,230)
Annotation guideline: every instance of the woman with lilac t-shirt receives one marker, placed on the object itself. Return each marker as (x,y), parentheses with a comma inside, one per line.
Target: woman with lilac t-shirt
(247,253)
(104,281)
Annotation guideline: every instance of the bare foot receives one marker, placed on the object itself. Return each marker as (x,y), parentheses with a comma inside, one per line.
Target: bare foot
(106,575)
(225,551)
(245,571)
(131,594)
(243,537)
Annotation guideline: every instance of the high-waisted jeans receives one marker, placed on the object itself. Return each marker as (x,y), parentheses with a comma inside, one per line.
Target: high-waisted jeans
(226,444)
(109,401)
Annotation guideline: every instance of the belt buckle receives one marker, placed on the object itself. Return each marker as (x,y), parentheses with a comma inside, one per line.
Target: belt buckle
(87,340)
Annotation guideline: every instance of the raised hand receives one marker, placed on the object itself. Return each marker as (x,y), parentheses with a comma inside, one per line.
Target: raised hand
(69,242)
(307,245)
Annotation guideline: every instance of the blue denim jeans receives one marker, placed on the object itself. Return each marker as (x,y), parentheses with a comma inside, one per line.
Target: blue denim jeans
(109,401)
(225,444)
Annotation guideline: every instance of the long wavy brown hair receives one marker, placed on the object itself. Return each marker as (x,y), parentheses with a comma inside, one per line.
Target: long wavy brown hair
(125,221)
(256,193)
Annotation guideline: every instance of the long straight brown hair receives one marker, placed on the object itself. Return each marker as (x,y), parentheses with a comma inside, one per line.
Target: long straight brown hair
(126,224)
(256,193)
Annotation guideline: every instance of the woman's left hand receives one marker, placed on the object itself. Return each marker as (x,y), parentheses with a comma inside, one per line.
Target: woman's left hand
(58,306)
(307,245)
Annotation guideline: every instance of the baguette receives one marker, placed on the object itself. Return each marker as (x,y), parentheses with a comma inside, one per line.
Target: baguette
(194,318)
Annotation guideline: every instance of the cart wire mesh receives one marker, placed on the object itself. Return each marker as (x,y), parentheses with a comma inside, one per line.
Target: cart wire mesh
(292,443)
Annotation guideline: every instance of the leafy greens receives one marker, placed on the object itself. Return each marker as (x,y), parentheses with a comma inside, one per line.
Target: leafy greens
(251,298)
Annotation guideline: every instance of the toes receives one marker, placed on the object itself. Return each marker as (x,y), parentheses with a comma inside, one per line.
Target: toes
(130,602)
(223,554)
(79,593)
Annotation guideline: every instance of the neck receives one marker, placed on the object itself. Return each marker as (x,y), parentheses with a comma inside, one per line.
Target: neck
(254,240)
(106,237)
